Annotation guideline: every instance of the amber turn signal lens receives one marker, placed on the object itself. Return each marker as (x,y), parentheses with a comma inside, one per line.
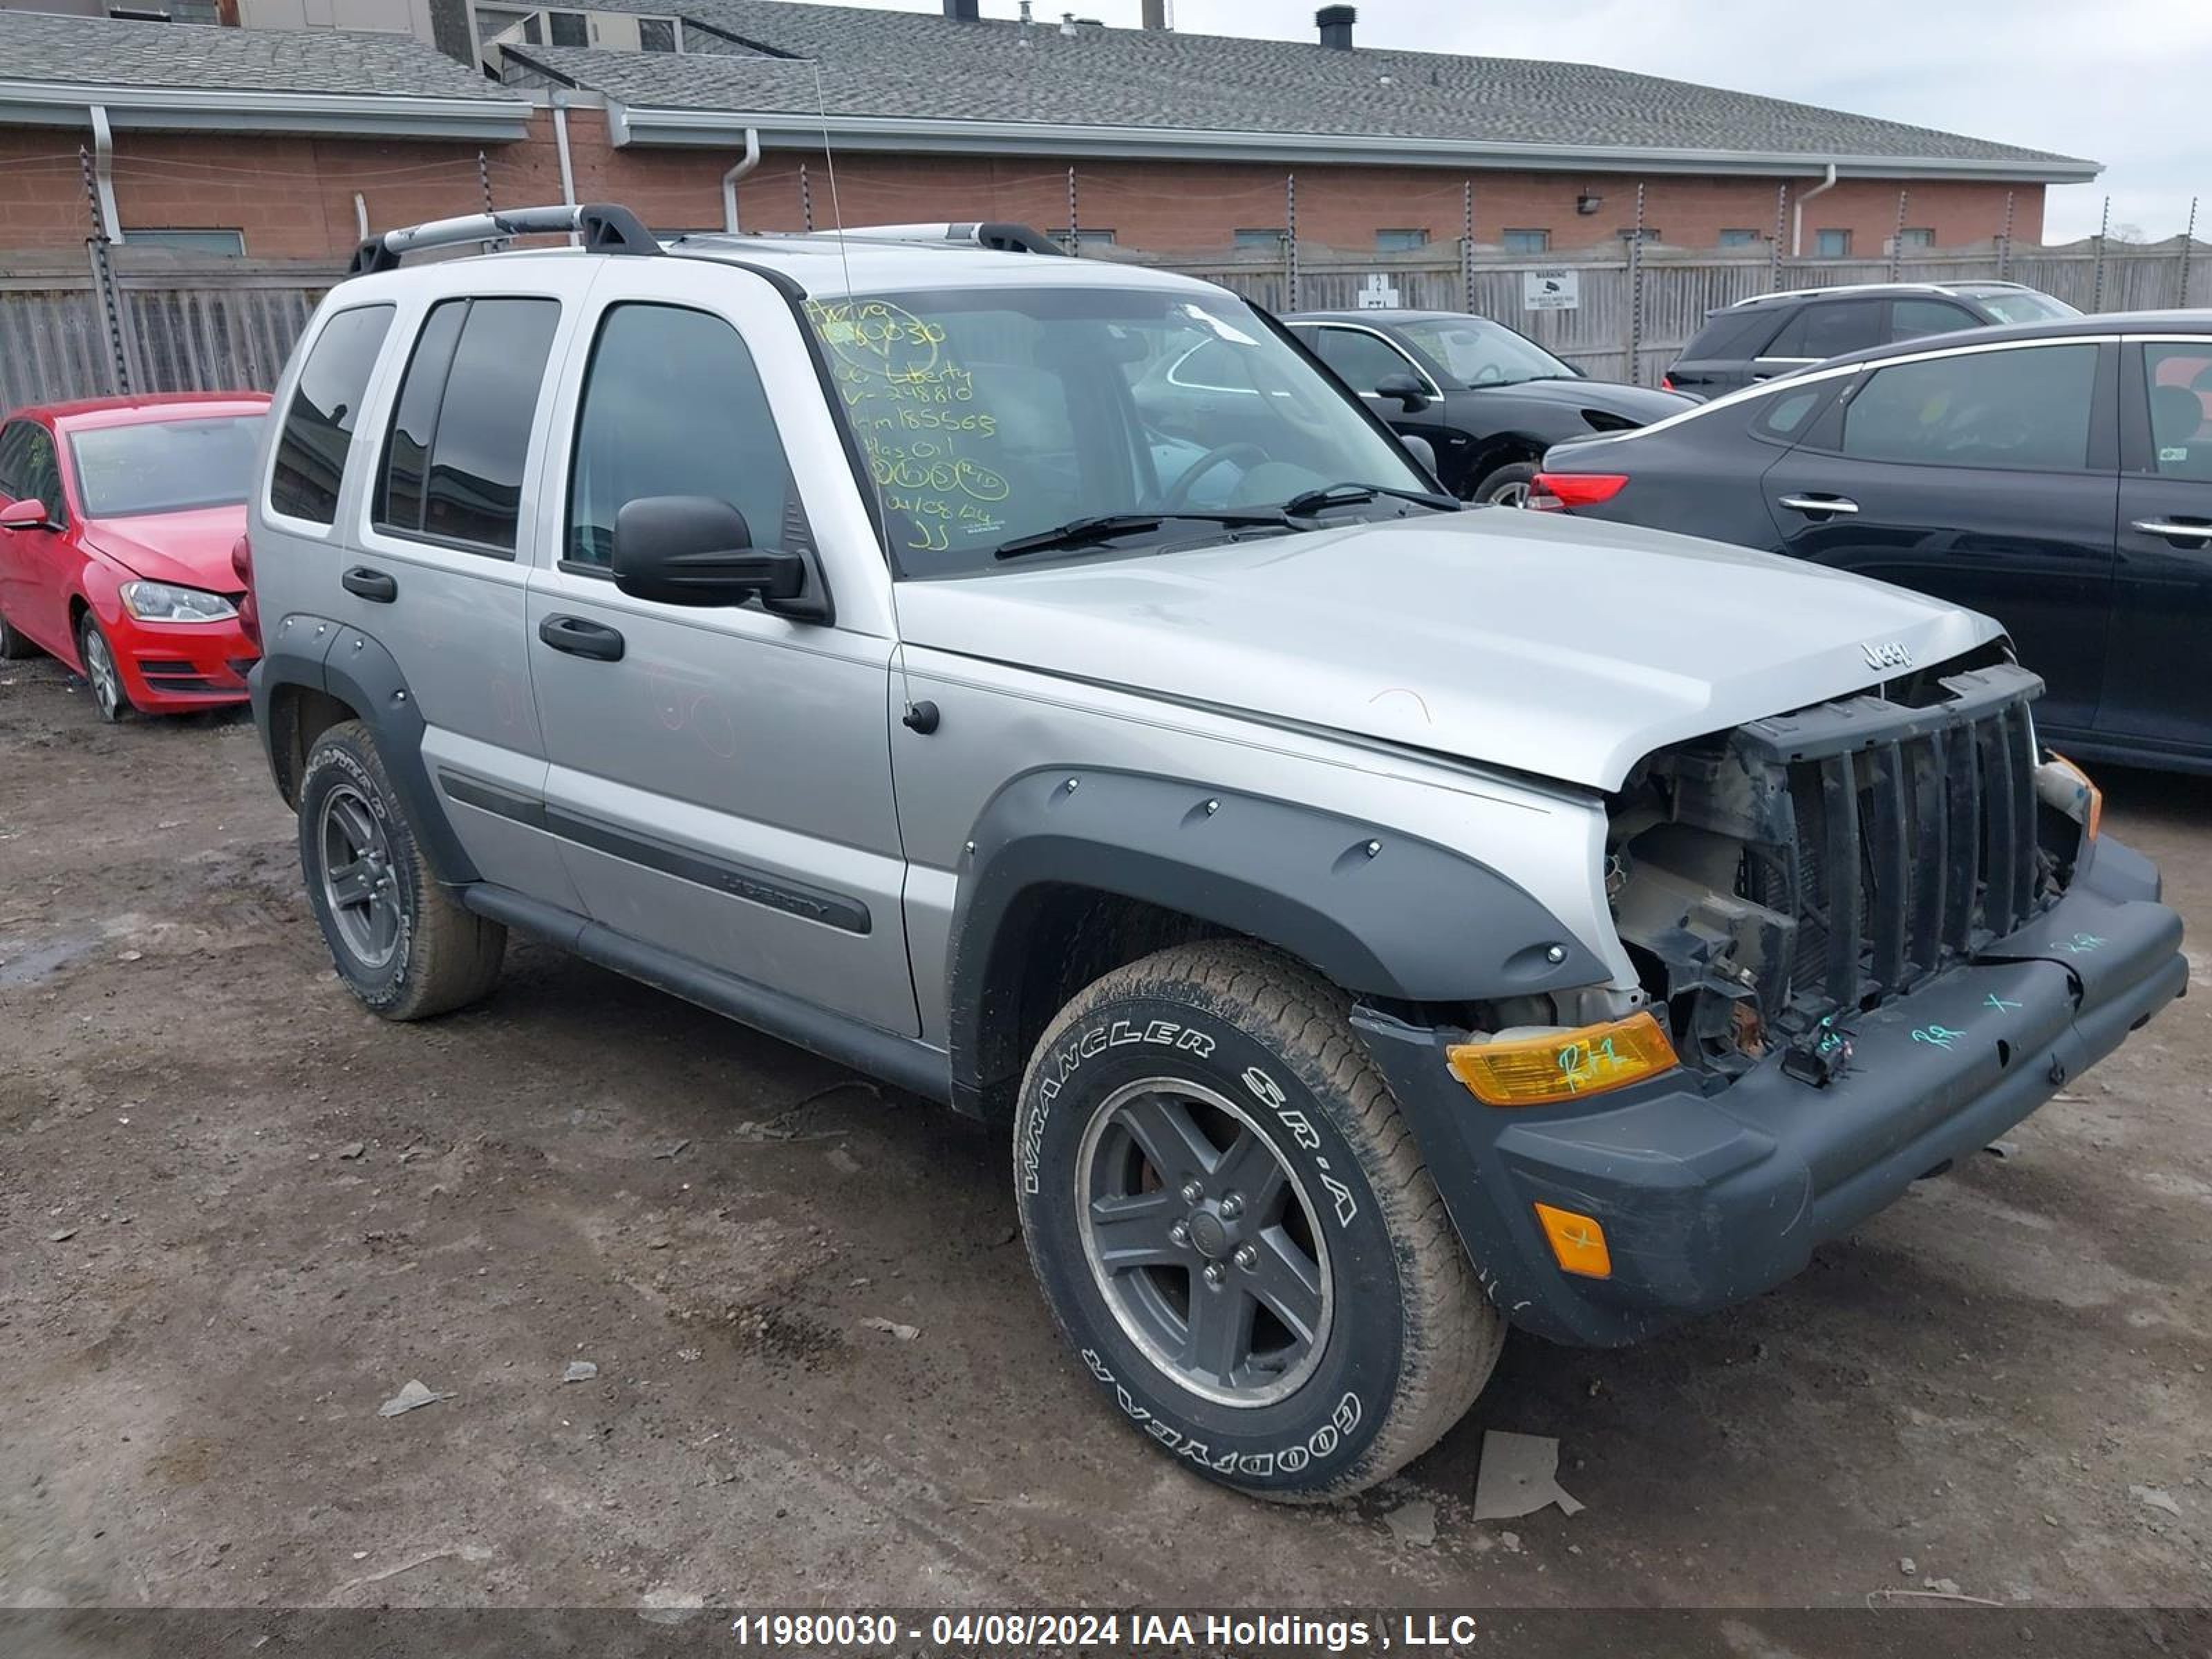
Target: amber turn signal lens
(1577,1241)
(2092,818)
(1563,1065)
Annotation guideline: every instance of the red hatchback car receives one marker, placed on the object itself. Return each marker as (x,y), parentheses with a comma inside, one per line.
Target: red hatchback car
(117,521)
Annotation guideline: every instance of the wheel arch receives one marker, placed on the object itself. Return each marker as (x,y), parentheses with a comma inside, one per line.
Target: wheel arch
(1075,871)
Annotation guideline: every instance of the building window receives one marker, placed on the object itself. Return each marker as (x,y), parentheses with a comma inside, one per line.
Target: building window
(1909,240)
(229,243)
(656,35)
(1739,238)
(1091,237)
(1258,238)
(1400,241)
(1648,233)
(1832,245)
(1527,242)
(570,28)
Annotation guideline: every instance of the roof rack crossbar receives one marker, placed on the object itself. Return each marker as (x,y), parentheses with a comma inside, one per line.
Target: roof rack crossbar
(603,227)
(1000,237)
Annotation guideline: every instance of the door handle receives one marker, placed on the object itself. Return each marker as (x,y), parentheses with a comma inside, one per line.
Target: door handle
(2183,530)
(1818,503)
(371,584)
(580,638)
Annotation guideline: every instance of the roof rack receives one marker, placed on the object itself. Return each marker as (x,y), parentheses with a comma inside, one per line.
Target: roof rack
(605,227)
(1953,287)
(999,237)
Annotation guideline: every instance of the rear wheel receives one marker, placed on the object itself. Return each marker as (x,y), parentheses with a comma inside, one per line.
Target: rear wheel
(1234,1231)
(399,939)
(101,673)
(14,645)
(1506,486)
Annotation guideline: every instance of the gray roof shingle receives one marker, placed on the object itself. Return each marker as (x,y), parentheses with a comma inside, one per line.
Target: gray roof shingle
(200,57)
(913,64)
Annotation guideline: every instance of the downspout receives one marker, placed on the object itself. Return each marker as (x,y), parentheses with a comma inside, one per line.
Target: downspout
(730,179)
(1797,223)
(103,173)
(568,167)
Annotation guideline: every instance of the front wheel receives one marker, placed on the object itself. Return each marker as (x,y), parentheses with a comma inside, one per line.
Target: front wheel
(1234,1231)
(101,673)
(1506,486)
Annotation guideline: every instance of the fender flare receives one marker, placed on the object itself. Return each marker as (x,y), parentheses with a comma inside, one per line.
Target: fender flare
(353,667)
(1381,914)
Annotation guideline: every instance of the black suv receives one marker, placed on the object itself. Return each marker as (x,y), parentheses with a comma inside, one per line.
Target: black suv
(1777,333)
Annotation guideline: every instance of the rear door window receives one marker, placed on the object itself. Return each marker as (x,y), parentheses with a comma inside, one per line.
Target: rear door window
(1829,328)
(461,431)
(2180,390)
(318,432)
(1911,319)
(1732,335)
(2028,407)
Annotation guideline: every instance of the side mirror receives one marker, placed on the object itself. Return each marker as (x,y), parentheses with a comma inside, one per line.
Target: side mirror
(1413,397)
(24,515)
(698,549)
(1423,452)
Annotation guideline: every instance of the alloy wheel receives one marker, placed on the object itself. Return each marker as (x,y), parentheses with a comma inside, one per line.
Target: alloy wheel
(1511,494)
(1204,1242)
(360,885)
(99,673)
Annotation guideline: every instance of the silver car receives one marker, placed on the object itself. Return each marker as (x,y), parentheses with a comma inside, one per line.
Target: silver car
(1374,923)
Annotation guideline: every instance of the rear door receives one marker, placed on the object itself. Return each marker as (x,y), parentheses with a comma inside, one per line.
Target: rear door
(2158,684)
(443,538)
(1720,358)
(1986,477)
(720,780)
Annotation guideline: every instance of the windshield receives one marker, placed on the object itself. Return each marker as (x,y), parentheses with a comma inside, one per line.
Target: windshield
(991,415)
(1475,351)
(2023,306)
(165,467)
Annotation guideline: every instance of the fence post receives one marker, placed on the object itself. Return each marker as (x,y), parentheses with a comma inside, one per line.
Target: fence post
(1636,294)
(1467,251)
(2188,246)
(1897,242)
(2004,242)
(805,199)
(103,279)
(2097,283)
(1075,224)
(1781,228)
(1290,237)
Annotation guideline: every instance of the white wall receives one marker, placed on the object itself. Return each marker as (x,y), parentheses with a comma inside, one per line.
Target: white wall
(386,16)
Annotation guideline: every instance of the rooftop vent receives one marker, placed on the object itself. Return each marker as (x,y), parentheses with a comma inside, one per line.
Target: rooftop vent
(1335,23)
(964,11)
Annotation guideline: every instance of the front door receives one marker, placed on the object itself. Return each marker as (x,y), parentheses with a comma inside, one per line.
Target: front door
(1361,359)
(2158,684)
(1984,478)
(38,563)
(720,779)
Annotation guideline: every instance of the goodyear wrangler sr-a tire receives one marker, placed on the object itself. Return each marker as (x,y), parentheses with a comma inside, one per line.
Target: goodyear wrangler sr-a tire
(1234,1231)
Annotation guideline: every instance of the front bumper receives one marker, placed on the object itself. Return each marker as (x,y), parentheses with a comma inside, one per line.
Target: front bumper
(1708,1195)
(170,666)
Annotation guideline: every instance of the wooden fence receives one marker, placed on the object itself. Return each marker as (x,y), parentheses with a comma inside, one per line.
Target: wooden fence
(146,319)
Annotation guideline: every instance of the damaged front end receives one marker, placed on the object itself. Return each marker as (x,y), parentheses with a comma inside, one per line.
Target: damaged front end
(1774,881)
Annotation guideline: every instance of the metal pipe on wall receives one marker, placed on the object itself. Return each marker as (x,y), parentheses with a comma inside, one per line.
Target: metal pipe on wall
(1797,226)
(750,159)
(103,173)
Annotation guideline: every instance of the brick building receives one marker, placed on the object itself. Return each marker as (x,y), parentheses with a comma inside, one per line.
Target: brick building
(281,143)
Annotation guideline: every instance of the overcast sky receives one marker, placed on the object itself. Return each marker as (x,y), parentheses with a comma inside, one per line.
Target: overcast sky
(2127,82)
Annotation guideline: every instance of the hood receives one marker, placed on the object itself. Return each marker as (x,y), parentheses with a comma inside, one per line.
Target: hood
(192,549)
(1642,404)
(1565,647)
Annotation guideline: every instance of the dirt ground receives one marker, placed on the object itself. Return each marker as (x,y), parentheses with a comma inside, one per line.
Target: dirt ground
(238,1213)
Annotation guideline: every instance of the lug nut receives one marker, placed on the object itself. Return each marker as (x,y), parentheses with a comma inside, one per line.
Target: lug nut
(1213,1274)
(1246,1257)
(1179,1233)
(1232,1207)
(1192,1192)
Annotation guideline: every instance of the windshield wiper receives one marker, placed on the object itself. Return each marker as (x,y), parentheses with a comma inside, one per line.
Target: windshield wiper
(1352,493)
(1105,526)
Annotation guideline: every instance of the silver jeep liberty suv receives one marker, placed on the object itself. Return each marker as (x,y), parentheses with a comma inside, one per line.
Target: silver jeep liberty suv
(1040,684)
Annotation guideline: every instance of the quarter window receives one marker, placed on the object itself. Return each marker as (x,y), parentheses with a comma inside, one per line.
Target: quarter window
(1362,360)
(460,432)
(673,406)
(2025,408)
(311,451)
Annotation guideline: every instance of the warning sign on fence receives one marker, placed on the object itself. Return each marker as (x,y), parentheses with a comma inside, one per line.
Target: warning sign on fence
(1551,290)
